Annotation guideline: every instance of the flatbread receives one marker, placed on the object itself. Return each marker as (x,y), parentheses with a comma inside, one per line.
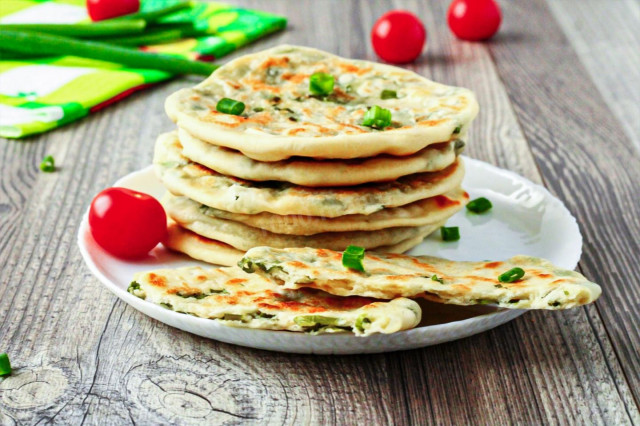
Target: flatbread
(244,237)
(201,248)
(237,299)
(424,212)
(387,276)
(218,253)
(282,119)
(310,172)
(183,177)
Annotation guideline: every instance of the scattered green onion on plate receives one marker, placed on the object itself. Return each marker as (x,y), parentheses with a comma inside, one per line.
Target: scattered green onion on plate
(352,258)
(479,205)
(451,233)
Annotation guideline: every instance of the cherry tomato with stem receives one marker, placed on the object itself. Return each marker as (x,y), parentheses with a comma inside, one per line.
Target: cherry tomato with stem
(127,223)
(474,20)
(398,37)
(107,9)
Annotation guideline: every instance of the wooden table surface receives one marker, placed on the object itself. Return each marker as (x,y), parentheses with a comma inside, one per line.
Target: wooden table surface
(559,90)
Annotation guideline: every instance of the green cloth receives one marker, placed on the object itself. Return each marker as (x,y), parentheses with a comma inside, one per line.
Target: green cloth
(40,94)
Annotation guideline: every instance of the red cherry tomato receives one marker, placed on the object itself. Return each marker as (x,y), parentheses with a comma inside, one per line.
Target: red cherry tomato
(127,223)
(106,9)
(398,37)
(474,20)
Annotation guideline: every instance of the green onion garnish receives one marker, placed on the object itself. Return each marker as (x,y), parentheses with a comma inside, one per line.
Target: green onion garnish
(479,205)
(450,233)
(457,130)
(377,117)
(48,164)
(388,94)
(5,365)
(511,276)
(352,258)
(230,106)
(435,278)
(321,84)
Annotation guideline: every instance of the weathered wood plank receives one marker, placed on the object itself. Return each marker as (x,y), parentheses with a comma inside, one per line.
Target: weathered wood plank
(586,158)
(606,39)
(83,356)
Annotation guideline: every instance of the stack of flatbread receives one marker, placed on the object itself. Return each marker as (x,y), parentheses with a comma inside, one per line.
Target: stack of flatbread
(298,169)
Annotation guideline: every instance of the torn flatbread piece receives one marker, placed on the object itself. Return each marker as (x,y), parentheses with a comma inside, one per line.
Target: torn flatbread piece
(387,276)
(238,299)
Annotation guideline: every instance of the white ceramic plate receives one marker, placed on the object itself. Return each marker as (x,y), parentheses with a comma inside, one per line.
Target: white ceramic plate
(525,219)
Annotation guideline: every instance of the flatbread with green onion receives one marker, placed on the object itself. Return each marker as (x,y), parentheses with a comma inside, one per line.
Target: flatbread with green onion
(419,213)
(184,177)
(237,299)
(189,215)
(219,253)
(310,172)
(387,276)
(290,120)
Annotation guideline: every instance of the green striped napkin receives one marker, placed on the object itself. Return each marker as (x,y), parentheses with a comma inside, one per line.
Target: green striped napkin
(37,95)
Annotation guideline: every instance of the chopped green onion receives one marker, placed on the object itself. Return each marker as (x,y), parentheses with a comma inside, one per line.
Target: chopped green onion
(311,320)
(377,117)
(230,106)
(46,44)
(48,164)
(435,278)
(479,205)
(457,130)
(450,233)
(389,94)
(5,365)
(104,28)
(352,258)
(511,276)
(362,322)
(321,84)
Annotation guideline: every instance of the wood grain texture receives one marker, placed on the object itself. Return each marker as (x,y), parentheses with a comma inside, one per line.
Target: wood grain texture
(607,41)
(81,355)
(587,160)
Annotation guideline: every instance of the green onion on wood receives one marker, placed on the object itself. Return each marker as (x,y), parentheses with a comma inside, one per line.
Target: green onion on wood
(46,44)
(5,365)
